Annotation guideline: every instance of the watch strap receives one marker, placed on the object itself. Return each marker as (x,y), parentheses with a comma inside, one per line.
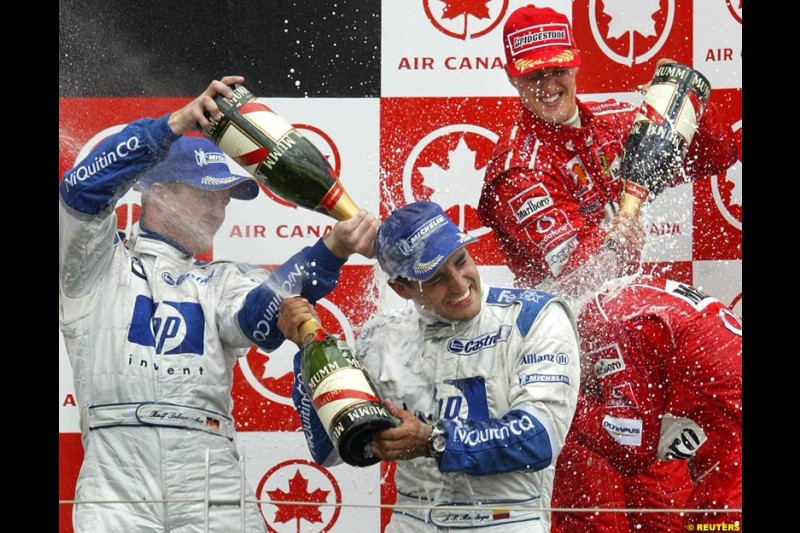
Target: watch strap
(437,441)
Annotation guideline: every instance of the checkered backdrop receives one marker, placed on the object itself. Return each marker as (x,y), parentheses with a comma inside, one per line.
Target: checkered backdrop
(406,99)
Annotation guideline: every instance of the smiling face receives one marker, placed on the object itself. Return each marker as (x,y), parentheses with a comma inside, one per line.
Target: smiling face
(452,293)
(548,93)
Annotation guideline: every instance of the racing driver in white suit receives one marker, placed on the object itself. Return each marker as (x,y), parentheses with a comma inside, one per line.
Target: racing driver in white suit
(487,378)
(153,334)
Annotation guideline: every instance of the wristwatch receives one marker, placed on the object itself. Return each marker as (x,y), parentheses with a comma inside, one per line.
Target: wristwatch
(437,441)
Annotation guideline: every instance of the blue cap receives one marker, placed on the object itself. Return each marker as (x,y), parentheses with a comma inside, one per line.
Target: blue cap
(198,162)
(415,240)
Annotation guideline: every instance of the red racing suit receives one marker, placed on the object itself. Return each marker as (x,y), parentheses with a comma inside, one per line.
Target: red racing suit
(549,193)
(586,480)
(665,383)
(550,189)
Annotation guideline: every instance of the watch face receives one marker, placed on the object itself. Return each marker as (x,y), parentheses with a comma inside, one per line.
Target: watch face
(439,442)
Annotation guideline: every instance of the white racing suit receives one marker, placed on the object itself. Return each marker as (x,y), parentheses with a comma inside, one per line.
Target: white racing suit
(153,336)
(505,385)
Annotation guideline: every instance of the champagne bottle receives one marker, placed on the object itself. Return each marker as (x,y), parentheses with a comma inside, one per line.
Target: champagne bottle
(277,155)
(342,393)
(661,133)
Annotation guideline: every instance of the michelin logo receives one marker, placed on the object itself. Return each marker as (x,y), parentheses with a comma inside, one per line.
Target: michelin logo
(471,346)
(423,232)
(527,379)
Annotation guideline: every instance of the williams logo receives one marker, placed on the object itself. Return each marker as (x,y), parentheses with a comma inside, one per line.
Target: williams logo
(171,327)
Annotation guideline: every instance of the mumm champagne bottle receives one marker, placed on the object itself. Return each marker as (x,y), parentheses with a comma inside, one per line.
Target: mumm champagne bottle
(342,393)
(661,132)
(290,166)
(277,155)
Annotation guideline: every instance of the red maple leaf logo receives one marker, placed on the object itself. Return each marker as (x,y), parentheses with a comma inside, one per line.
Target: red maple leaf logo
(455,8)
(298,492)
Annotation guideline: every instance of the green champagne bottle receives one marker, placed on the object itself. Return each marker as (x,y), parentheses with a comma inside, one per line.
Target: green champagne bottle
(342,393)
(278,155)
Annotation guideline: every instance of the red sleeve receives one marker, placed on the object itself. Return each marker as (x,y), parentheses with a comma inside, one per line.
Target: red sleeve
(618,414)
(714,148)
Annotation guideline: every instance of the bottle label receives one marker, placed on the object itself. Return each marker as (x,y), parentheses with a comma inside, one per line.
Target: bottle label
(354,415)
(258,141)
(656,110)
(675,99)
(340,390)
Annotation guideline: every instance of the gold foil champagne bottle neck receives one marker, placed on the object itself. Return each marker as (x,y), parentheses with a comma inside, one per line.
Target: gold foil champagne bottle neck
(308,329)
(344,208)
(630,204)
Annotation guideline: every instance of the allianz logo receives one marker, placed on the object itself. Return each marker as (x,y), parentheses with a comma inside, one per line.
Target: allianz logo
(533,358)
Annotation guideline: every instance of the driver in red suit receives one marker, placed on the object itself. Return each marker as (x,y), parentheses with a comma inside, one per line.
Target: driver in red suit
(551,195)
(662,380)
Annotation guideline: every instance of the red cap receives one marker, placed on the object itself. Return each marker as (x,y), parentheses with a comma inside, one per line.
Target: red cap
(538,37)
